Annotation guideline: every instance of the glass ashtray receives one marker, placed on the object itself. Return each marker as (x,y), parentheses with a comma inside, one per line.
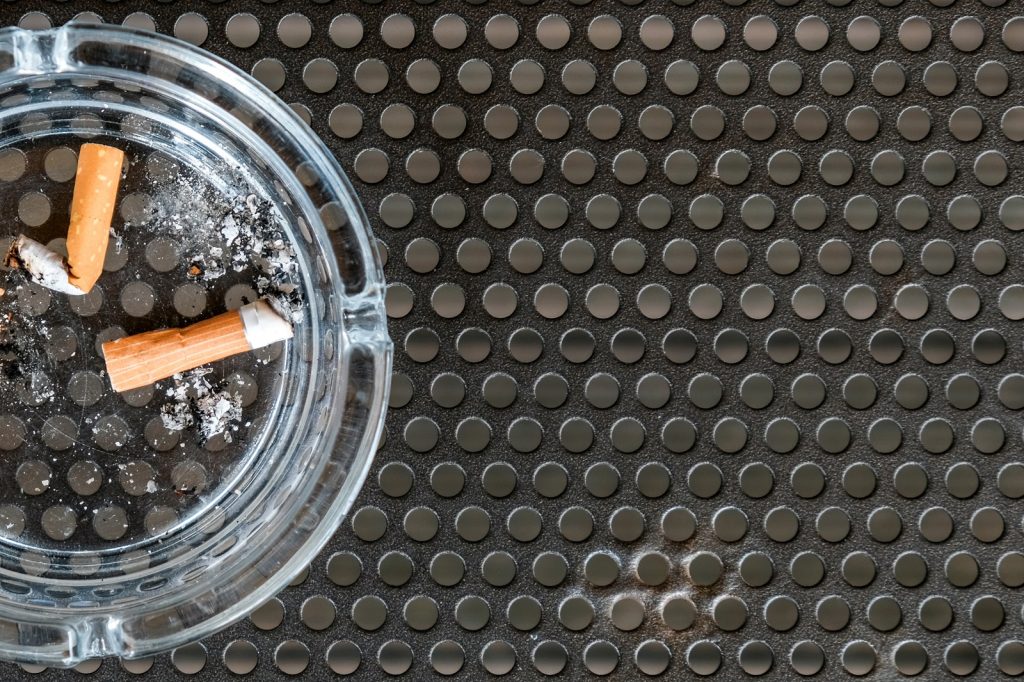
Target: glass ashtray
(122,534)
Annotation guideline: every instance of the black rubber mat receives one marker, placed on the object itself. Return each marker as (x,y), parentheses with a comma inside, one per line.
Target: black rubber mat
(707,323)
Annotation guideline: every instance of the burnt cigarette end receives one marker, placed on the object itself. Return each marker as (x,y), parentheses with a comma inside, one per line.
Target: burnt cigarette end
(13,257)
(43,266)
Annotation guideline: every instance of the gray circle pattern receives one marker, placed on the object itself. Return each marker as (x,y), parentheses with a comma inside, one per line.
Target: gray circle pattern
(705,324)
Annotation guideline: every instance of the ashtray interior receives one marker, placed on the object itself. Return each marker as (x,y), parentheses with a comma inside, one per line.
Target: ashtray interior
(87,469)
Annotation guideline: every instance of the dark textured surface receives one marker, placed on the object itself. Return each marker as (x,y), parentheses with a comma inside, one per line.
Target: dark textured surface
(454,281)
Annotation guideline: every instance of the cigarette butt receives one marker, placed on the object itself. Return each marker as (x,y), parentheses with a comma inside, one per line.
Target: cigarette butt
(43,266)
(145,358)
(92,208)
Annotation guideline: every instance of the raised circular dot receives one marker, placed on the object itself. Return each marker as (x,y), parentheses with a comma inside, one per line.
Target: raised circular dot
(652,657)
(785,168)
(809,212)
(12,164)
(988,435)
(885,524)
(939,168)
(806,658)
(909,569)
(961,658)
(601,569)
(835,256)
(294,30)
(192,27)
(937,346)
(833,524)
(832,613)
(1010,657)
(110,523)
(705,301)
(910,480)
(862,123)
(320,75)
(269,615)
(652,568)
(915,33)
(863,33)
(59,432)
(449,121)
(859,480)
(627,613)
(811,33)
(990,169)
(60,164)
(935,613)
(935,524)
(837,78)
(345,120)
(859,658)
(966,124)
(987,613)
(34,208)
(888,78)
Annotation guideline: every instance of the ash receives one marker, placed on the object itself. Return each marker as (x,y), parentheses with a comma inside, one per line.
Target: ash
(196,402)
(253,233)
(234,231)
(23,361)
(18,350)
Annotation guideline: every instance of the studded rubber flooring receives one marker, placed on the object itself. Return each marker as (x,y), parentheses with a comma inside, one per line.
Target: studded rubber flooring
(707,325)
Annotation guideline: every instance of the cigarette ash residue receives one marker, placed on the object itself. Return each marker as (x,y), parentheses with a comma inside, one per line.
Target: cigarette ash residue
(19,352)
(196,402)
(236,231)
(23,361)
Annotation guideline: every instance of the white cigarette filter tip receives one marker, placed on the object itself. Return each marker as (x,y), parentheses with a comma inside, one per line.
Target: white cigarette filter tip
(43,266)
(264,325)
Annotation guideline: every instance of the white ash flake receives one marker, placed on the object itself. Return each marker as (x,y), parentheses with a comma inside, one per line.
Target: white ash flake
(229,229)
(195,402)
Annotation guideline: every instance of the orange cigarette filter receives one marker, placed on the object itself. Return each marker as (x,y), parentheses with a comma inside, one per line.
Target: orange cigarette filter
(143,359)
(92,209)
